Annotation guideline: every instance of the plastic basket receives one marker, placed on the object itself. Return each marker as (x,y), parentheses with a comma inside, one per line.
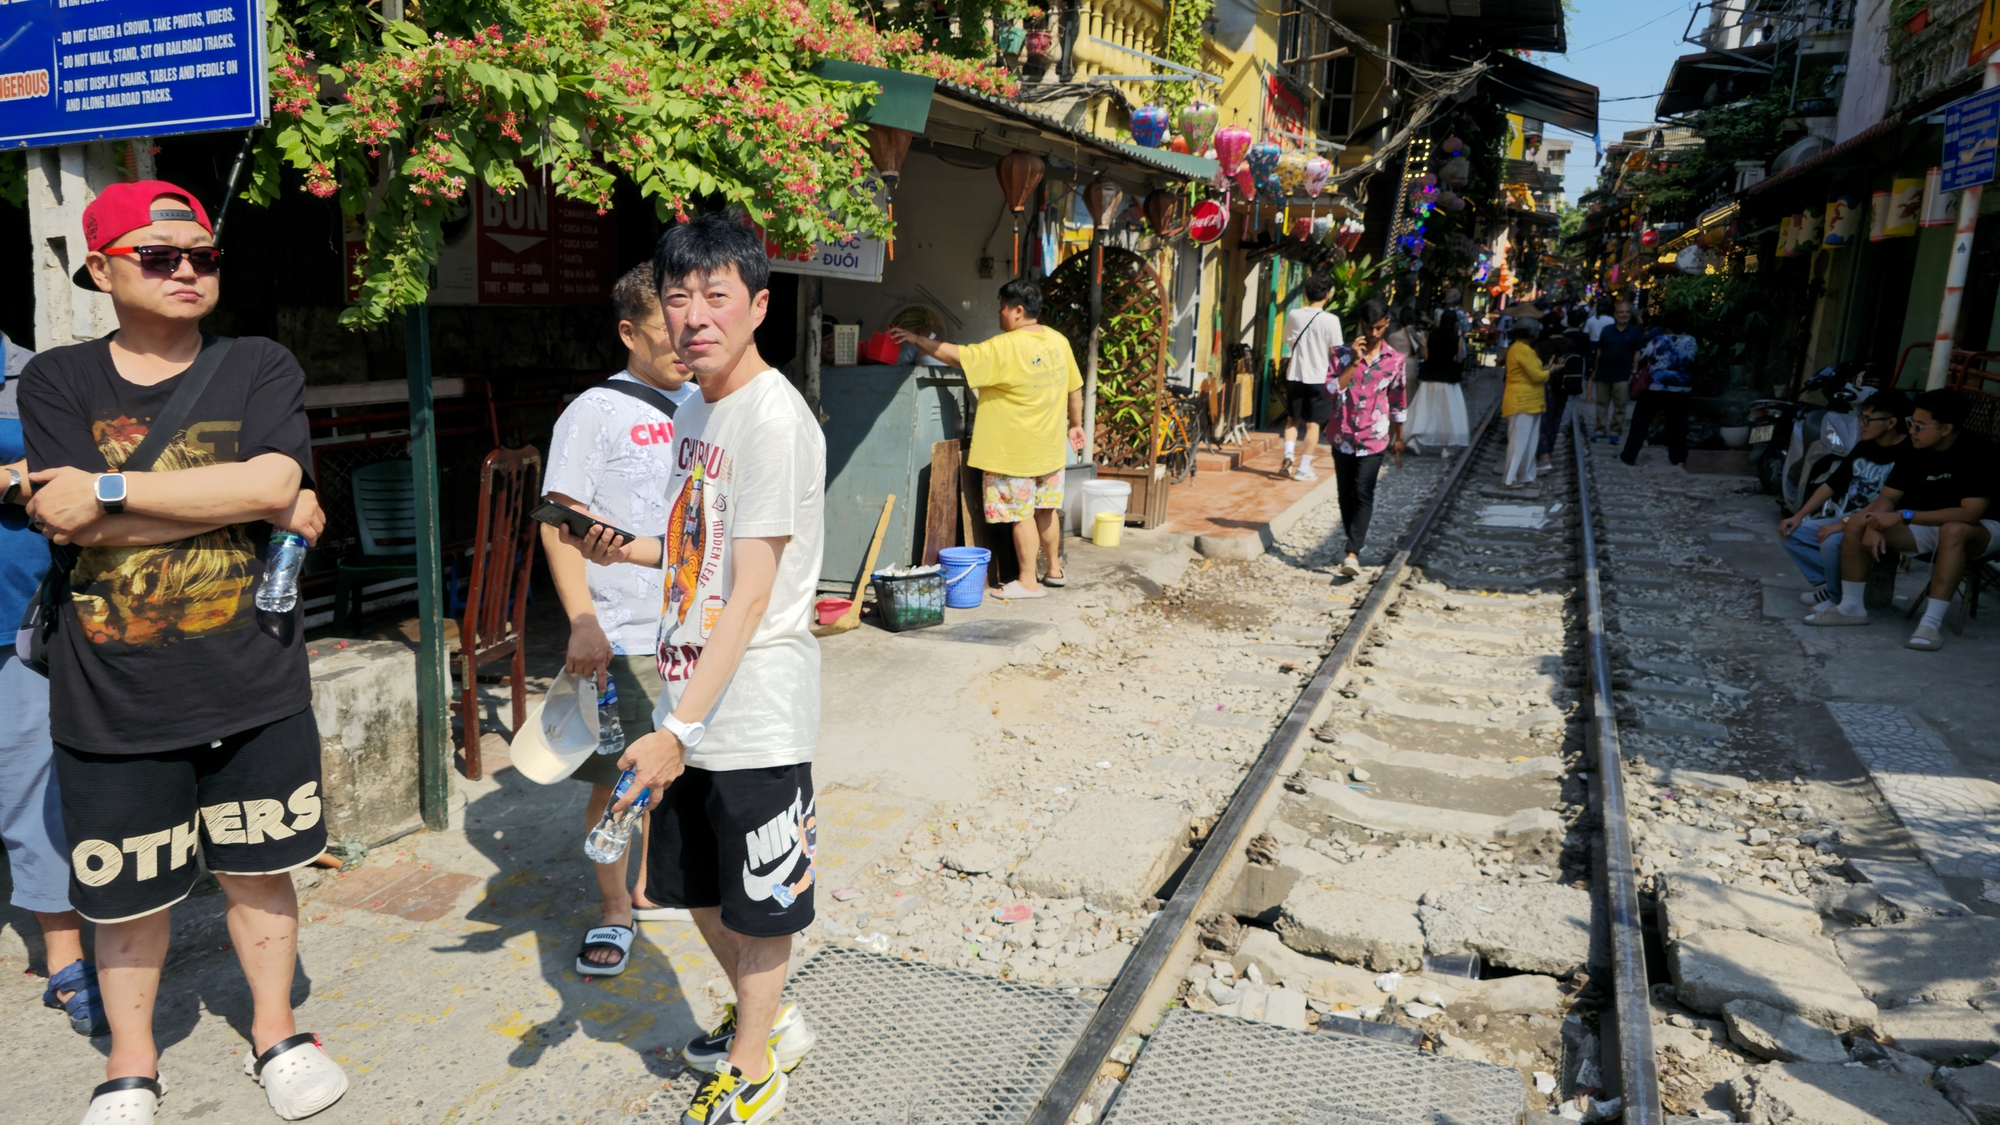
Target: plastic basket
(909,601)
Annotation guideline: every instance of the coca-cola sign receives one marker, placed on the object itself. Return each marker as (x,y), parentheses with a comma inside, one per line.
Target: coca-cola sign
(1206,221)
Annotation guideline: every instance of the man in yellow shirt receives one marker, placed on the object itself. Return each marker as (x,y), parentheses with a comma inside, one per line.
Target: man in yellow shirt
(1024,377)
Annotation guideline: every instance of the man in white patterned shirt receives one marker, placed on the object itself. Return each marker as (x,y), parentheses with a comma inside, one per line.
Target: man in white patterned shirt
(611,454)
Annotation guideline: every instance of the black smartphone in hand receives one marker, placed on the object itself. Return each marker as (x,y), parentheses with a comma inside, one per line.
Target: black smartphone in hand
(579,524)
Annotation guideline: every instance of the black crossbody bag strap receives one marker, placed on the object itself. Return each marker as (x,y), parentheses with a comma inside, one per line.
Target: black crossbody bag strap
(45,610)
(168,423)
(650,396)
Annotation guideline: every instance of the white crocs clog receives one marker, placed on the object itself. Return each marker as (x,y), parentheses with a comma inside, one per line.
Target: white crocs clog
(125,1101)
(298,1077)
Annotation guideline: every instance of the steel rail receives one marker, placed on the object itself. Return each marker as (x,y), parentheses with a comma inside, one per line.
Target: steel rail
(1632,1019)
(1107,1027)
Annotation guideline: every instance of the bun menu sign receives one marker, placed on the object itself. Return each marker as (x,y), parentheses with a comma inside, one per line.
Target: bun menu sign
(88,70)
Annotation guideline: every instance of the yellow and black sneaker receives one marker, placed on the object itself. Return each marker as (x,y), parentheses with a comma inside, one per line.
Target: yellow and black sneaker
(790,1038)
(726,1099)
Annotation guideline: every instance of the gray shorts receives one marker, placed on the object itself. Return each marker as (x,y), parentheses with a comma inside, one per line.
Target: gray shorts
(1927,537)
(639,688)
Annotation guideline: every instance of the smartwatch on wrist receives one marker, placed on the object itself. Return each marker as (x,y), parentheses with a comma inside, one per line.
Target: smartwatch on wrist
(110,491)
(688,733)
(1909,515)
(13,493)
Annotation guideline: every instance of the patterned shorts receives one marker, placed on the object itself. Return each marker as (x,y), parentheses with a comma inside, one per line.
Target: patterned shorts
(1013,499)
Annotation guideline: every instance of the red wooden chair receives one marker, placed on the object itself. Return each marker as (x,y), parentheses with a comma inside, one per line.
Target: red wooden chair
(496,597)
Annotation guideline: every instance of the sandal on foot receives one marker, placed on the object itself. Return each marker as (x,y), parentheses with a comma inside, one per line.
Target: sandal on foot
(125,1101)
(605,937)
(1058,582)
(1014,591)
(85,1008)
(1927,638)
(298,1076)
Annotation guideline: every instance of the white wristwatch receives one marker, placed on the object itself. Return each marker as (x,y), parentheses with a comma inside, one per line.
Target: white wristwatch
(689,733)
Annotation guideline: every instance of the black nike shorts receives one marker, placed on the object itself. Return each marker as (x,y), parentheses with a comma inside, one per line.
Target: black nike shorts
(252,802)
(743,840)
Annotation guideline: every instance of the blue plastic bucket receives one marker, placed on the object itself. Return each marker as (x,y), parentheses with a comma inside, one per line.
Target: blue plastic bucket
(964,575)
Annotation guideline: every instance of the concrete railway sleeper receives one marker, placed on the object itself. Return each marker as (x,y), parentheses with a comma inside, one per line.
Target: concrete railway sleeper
(1418,857)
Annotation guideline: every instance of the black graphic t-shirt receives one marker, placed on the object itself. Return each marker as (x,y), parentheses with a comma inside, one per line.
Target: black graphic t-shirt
(1933,479)
(164,649)
(1861,475)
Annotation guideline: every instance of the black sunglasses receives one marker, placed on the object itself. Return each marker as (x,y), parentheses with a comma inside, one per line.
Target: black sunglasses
(167,259)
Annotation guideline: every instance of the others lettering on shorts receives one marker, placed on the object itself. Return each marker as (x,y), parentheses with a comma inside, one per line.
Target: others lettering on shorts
(97,862)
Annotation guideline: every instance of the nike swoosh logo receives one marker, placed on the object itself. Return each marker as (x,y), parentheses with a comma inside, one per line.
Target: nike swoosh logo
(760,887)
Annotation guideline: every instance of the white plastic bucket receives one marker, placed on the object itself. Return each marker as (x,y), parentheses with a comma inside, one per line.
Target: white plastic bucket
(1103,496)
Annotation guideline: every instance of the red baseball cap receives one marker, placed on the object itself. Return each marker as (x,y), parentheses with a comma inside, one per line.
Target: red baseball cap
(123,208)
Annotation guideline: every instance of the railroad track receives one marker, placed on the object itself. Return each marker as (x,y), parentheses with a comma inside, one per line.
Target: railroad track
(1456,748)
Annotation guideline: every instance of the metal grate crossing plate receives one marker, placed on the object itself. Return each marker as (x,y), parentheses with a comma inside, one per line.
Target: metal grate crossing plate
(907,1043)
(1201,1067)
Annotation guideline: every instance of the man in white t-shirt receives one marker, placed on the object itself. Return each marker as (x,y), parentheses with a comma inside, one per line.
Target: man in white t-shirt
(735,834)
(1597,320)
(1311,334)
(611,453)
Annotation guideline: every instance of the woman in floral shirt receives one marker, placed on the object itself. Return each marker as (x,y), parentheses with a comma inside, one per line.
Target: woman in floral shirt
(1669,362)
(1370,404)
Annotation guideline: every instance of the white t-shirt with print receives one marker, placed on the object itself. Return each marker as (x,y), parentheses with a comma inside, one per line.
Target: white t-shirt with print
(613,454)
(1311,334)
(751,466)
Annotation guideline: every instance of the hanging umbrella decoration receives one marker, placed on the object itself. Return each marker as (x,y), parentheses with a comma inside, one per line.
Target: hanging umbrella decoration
(1198,126)
(1020,172)
(1149,126)
(888,148)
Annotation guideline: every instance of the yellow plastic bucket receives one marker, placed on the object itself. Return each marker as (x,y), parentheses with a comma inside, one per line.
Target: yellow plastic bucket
(1108,529)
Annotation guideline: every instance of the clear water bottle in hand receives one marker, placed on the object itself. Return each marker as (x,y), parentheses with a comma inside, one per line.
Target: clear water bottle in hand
(610,733)
(613,833)
(279,592)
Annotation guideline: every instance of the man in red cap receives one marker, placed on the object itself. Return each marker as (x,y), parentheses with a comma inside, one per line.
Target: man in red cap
(180,713)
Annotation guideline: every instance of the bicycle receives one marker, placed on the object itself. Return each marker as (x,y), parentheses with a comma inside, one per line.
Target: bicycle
(1180,434)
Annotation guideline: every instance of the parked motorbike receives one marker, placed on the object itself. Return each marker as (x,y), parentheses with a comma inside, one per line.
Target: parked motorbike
(1796,443)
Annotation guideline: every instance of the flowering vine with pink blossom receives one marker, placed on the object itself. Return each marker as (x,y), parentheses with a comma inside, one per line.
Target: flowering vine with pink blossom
(694,101)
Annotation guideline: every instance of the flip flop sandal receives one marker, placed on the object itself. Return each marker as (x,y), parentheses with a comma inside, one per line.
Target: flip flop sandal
(1057,582)
(605,937)
(85,1008)
(1014,591)
(662,914)
(125,1101)
(298,1076)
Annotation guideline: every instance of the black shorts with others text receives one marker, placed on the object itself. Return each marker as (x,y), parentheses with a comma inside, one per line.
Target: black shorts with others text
(252,802)
(743,840)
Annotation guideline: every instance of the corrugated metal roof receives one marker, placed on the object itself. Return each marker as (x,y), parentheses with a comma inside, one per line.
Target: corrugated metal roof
(1159,159)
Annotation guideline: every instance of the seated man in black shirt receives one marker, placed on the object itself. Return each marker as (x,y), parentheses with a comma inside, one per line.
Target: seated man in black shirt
(1812,535)
(180,712)
(1935,501)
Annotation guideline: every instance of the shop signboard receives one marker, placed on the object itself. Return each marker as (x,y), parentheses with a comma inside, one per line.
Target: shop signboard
(1986,33)
(90,70)
(856,259)
(1971,134)
(1206,221)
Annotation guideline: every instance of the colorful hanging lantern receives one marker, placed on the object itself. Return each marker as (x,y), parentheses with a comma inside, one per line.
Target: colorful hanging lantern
(1164,210)
(1246,182)
(1292,172)
(1263,157)
(1455,172)
(1178,143)
(1197,124)
(1451,146)
(1103,199)
(1232,144)
(1302,228)
(1318,170)
(1843,221)
(1040,45)
(1322,228)
(1149,126)
(1807,228)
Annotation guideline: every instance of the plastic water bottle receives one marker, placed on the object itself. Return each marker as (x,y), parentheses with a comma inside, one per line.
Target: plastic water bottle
(610,734)
(613,834)
(280,590)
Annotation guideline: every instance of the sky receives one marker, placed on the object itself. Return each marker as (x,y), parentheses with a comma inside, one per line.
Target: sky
(1624,48)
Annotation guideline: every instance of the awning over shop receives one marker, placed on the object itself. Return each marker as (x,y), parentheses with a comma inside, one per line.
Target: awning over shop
(1711,78)
(905,100)
(1506,25)
(1540,93)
